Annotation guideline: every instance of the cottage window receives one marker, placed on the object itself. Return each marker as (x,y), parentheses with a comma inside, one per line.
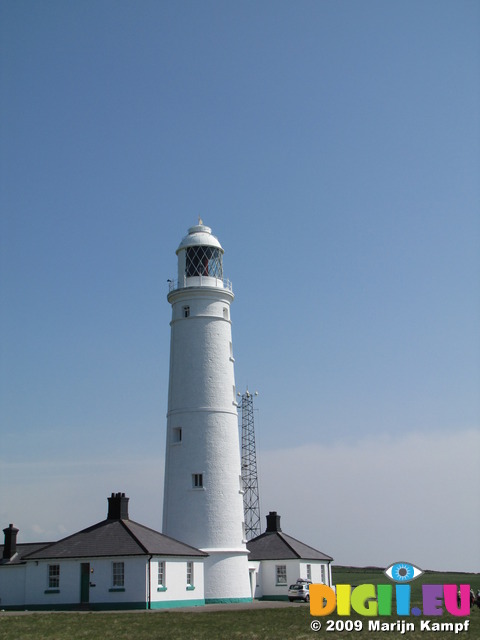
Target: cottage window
(281,575)
(190,574)
(118,574)
(53,576)
(322,573)
(161,574)
(309,571)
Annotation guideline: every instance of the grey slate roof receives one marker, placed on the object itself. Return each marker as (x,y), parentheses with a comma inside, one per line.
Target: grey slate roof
(23,550)
(279,546)
(114,538)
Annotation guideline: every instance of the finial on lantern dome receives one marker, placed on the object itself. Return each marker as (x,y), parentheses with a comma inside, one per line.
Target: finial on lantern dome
(200,221)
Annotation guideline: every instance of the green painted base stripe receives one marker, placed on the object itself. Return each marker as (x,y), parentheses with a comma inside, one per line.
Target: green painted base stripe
(173,604)
(227,600)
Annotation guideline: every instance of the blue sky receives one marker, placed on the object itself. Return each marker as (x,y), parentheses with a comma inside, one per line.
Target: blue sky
(334,149)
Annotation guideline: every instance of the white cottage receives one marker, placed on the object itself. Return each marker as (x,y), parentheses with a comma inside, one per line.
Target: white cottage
(277,560)
(114,564)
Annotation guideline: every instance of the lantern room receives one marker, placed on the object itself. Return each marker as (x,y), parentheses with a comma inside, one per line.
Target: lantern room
(200,260)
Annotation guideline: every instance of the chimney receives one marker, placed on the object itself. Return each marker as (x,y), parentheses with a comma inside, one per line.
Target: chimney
(273,522)
(10,547)
(117,507)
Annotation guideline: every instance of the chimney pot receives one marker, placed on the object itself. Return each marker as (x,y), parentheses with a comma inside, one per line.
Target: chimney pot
(117,507)
(273,522)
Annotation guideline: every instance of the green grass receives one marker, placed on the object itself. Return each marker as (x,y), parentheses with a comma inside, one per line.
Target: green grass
(288,623)
(267,624)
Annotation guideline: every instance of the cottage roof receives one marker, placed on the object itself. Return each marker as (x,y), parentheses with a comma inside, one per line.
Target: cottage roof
(280,546)
(22,550)
(276,545)
(119,537)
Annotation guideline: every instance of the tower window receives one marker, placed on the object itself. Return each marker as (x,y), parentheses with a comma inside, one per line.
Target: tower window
(186,312)
(197,480)
(225,313)
(177,434)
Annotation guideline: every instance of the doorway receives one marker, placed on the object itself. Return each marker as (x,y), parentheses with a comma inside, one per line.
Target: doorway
(85,583)
(253,580)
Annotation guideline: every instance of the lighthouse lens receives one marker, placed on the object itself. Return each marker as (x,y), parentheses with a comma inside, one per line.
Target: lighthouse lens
(204,261)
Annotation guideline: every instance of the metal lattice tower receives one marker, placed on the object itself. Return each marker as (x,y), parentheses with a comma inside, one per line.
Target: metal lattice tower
(251,501)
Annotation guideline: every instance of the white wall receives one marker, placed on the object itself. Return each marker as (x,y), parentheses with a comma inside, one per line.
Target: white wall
(27,584)
(265,576)
(256,566)
(36,592)
(12,585)
(176,583)
(316,571)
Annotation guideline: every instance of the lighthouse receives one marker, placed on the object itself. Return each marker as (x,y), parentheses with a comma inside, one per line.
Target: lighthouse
(203,496)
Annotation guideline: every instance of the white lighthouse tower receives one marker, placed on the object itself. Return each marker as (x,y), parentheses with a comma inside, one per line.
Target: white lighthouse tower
(203,503)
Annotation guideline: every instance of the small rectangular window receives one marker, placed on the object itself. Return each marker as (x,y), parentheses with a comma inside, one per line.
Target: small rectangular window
(322,573)
(161,574)
(197,480)
(189,574)
(281,575)
(53,576)
(225,313)
(118,574)
(177,434)
(309,571)
(186,312)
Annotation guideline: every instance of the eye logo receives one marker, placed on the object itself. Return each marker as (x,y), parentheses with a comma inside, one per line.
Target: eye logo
(402,572)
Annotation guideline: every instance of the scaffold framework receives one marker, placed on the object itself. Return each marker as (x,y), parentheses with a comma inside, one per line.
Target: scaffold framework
(251,498)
